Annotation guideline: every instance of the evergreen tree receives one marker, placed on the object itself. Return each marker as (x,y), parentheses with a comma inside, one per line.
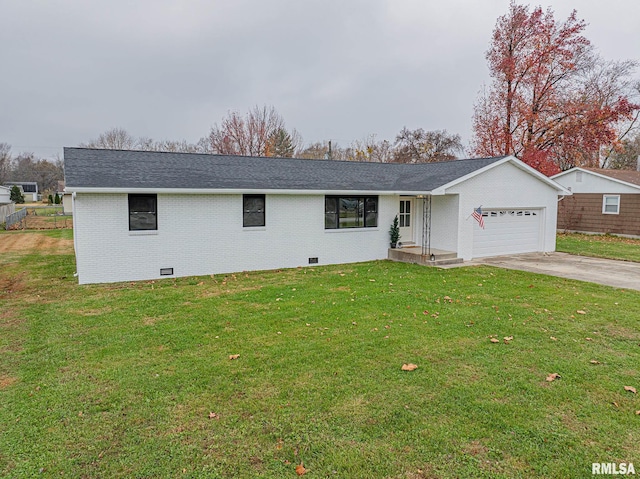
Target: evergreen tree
(280,144)
(56,199)
(16,195)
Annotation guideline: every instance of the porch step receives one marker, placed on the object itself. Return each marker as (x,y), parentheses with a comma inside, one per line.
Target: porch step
(414,255)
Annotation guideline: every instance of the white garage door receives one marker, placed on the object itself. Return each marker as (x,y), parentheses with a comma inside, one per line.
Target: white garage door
(508,232)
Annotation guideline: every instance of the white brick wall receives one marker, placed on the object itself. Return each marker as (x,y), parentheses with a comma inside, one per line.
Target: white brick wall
(203,234)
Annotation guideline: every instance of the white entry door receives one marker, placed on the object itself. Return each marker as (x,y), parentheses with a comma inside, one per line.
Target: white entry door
(508,232)
(405,219)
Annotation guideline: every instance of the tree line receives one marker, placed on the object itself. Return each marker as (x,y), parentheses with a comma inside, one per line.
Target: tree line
(262,131)
(28,167)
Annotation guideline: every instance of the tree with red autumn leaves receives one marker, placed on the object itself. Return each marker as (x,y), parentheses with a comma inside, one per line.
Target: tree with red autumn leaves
(552,101)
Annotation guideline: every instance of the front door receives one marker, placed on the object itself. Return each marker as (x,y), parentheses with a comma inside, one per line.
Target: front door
(406,221)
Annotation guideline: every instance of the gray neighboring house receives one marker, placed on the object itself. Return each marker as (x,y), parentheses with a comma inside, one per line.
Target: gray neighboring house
(28,188)
(7,207)
(5,195)
(146,215)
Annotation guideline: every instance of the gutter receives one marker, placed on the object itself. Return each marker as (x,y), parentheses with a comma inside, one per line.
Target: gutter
(239,191)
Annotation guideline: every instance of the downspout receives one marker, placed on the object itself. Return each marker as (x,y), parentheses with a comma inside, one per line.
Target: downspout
(75,234)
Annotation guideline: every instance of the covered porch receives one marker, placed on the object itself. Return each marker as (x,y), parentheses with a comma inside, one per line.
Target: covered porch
(418,215)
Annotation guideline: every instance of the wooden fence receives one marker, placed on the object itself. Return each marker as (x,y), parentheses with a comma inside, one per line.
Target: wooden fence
(6,210)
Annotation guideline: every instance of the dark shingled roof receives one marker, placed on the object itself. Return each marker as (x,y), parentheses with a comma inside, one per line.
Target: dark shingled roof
(96,168)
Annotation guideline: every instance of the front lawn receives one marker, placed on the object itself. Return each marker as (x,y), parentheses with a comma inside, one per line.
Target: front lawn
(136,380)
(600,246)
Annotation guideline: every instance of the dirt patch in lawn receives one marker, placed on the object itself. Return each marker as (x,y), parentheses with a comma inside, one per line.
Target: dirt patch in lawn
(6,381)
(8,318)
(10,285)
(31,243)
(621,332)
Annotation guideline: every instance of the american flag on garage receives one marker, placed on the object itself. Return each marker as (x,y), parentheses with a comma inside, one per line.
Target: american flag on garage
(477,215)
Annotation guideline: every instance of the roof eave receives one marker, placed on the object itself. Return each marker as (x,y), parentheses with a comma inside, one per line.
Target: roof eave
(239,191)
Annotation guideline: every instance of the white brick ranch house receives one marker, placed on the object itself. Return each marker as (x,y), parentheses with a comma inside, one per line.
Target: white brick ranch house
(146,215)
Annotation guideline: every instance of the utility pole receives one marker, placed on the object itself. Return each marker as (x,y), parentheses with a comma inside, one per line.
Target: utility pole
(330,150)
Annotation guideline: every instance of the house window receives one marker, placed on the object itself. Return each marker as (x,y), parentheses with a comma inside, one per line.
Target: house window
(350,212)
(253,207)
(610,204)
(143,212)
(405,213)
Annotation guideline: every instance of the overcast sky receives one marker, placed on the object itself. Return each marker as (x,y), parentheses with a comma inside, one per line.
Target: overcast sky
(334,69)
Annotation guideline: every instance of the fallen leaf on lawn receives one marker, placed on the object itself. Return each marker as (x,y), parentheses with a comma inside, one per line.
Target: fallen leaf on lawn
(631,389)
(372,280)
(553,377)
(200,283)
(234,356)
(615,404)
(581,312)
(409,367)
(494,340)
(213,415)
(638,412)
(588,339)
(425,312)
(508,338)
(300,470)
(593,361)
(553,339)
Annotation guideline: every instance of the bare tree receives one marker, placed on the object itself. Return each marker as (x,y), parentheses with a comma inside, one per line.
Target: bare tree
(5,162)
(627,156)
(371,150)
(113,139)
(419,146)
(247,135)
(120,139)
(323,150)
(183,146)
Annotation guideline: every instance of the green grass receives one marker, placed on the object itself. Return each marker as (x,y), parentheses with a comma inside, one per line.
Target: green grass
(600,246)
(119,380)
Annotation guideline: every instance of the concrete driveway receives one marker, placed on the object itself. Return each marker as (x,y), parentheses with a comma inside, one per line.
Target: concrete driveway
(619,274)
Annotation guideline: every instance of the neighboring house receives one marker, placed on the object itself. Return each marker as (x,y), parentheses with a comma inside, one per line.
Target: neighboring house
(28,188)
(5,195)
(6,206)
(146,215)
(602,201)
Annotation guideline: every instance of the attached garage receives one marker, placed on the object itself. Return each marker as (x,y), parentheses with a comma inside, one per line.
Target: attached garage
(509,232)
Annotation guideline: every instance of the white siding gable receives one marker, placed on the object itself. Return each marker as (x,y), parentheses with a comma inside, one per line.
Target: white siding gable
(592,183)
